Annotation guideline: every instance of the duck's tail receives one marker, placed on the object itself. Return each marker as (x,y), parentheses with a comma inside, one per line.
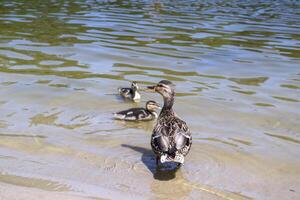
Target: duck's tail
(119,90)
(118,116)
(172,151)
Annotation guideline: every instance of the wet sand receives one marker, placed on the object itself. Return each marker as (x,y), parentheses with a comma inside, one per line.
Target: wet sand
(8,191)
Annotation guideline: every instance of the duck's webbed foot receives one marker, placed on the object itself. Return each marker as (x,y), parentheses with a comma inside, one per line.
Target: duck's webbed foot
(179,165)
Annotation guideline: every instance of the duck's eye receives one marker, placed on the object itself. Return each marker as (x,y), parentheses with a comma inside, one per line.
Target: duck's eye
(160,85)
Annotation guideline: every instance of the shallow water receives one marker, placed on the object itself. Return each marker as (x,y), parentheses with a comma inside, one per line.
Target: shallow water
(236,69)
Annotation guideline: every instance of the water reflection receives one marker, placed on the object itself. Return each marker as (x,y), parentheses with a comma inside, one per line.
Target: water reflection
(162,41)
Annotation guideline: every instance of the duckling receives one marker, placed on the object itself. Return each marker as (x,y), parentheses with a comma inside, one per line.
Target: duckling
(171,138)
(139,114)
(130,93)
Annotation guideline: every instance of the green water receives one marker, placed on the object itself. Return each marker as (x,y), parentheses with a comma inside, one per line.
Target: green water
(236,66)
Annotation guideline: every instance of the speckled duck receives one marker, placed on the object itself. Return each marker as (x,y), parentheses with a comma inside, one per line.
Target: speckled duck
(171,138)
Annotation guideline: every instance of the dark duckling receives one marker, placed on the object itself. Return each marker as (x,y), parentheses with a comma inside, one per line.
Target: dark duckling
(171,138)
(139,114)
(130,93)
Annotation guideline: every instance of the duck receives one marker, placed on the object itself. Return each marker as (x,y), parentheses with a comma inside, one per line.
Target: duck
(130,93)
(139,114)
(171,139)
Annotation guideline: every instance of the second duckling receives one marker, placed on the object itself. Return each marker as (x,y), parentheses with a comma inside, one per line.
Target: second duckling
(130,93)
(139,114)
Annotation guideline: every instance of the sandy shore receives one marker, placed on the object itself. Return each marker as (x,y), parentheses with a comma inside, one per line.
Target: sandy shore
(13,192)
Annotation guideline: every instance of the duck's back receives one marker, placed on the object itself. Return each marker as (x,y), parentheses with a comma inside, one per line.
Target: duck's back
(125,92)
(134,114)
(171,134)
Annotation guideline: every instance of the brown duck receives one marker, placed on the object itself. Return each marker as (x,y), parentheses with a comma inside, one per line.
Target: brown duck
(171,138)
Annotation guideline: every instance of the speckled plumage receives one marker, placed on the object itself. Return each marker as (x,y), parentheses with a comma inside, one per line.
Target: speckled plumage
(139,114)
(171,138)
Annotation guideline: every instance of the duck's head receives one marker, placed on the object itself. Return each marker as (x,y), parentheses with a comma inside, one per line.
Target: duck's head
(165,88)
(152,106)
(134,85)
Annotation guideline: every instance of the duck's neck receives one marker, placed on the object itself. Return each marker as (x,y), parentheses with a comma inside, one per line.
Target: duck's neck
(154,114)
(136,95)
(168,105)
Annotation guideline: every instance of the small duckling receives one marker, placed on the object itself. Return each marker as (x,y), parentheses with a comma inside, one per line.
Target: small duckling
(130,93)
(139,114)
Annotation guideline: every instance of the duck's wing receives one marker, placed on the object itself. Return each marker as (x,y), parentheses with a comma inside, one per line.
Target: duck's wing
(159,143)
(160,140)
(181,134)
(182,138)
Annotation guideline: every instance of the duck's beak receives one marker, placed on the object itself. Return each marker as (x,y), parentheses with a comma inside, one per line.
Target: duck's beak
(151,88)
(158,106)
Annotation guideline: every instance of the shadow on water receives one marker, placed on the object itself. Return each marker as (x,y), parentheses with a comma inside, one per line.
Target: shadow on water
(162,173)
(174,182)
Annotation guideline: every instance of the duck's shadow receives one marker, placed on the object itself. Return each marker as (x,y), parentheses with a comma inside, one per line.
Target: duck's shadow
(162,173)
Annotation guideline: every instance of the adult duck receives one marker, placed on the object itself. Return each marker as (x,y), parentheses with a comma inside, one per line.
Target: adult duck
(171,138)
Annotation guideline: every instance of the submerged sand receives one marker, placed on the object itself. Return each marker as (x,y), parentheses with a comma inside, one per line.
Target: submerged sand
(8,191)
(62,148)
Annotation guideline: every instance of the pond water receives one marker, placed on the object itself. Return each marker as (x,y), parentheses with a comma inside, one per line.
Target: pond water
(236,66)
